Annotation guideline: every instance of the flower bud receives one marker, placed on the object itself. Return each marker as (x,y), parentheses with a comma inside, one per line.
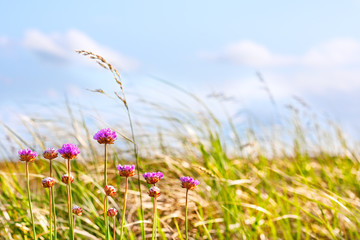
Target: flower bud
(48,182)
(154,192)
(112,212)
(77,210)
(65,178)
(109,190)
(50,153)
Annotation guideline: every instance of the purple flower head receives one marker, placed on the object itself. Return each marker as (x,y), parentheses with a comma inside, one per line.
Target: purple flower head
(153,177)
(27,155)
(154,192)
(50,153)
(189,182)
(126,170)
(105,136)
(69,151)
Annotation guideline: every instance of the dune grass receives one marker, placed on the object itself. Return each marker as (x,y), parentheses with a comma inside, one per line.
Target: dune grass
(251,187)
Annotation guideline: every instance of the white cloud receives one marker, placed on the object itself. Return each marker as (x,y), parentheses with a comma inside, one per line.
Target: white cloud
(59,48)
(252,54)
(336,52)
(330,66)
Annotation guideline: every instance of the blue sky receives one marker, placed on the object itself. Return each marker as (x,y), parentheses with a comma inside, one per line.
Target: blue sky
(309,49)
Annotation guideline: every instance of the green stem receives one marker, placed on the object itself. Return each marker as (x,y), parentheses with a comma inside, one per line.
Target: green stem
(186,216)
(114,228)
(50,210)
(105,217)
(154,219)
(106,200)
(71,233)
(137,169)
(74,226)
(29,198)
(53,204)
(124,208)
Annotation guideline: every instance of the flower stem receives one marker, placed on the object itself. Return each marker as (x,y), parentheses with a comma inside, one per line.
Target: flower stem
(106,200)
(186,216)
(29,198)
(114,228)
(124,208)
(154,219)
(71,234)
(53,203)
(50,210)
(74,226)
(105,217)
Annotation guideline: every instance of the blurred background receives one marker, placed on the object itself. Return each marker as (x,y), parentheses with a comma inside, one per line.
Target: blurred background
(255,57)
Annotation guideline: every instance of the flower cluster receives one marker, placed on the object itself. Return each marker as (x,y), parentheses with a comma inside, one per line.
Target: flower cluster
(110,190)
(77,210)
(112,212)
(27,155)
(154,192)
(50,153)
(65,178)
(48,182)
(126,170)
(105,136)
(153,177)
(189,183)
(69,151)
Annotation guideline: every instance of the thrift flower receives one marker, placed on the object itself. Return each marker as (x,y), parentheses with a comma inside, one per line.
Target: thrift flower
(112,212)
(153,177)
(77,210)
(189,183)
(27,155)
(50,153)
(110,190)
(48,182)
(105,136)
(69,151)
(65,178)
(154,192)
(126,170)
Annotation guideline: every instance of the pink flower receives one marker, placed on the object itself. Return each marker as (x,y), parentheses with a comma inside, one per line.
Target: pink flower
(27,155)
(50,153)
(126,170)
(105,136)
(153,177)
(189,183)
(69,151)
